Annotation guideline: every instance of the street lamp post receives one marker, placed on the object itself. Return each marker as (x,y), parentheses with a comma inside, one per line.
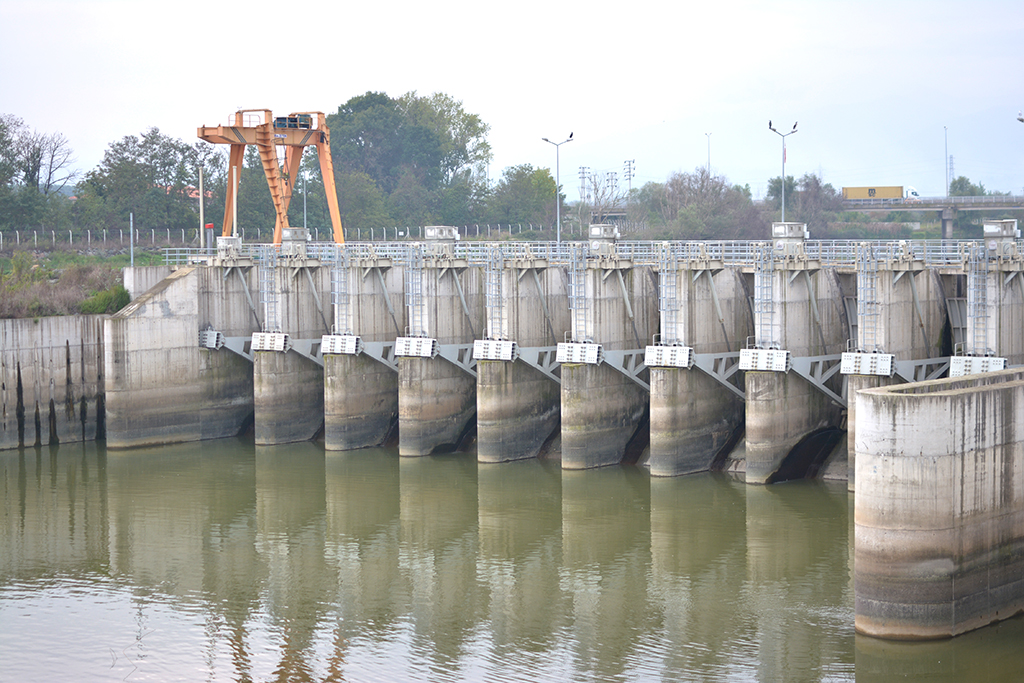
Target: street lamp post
(945,151)
(558,186)
(709,153)
(783,136)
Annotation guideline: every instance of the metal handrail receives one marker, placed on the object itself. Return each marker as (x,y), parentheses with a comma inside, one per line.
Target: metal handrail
(829,253)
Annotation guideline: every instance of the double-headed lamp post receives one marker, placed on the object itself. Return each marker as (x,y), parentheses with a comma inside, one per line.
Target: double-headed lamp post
(558,185)
(783,136)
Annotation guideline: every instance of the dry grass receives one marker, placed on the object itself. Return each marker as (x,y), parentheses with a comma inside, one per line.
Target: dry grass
(31,288)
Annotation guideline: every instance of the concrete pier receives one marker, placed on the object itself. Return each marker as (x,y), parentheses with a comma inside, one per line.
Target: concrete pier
(437,398)
(603,410)
(360,403)
(799,310)
(288,387)
(693,416)
(518,407)
(360,391)
(939,513)
(901,314)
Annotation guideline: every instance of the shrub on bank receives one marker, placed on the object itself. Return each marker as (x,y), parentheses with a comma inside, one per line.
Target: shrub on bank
(33,287)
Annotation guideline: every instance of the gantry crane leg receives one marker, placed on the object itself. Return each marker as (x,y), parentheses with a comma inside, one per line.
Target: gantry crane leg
(235,159)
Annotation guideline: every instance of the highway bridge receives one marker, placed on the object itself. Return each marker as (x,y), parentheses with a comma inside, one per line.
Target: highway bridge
(948,207)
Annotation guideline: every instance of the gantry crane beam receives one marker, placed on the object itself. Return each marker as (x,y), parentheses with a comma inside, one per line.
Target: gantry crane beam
(294,132)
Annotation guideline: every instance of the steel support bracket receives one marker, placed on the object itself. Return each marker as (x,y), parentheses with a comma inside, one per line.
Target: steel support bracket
(922,370)
(721,367)
(819,369)
(309,348)
(630,363)
(543,359)
(382,352)
(459,355)
(241,346)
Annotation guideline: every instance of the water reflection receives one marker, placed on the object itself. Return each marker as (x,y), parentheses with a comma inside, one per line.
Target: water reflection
(698,569)
(228,562)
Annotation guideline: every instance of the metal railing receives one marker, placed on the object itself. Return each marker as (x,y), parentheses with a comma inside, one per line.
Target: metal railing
(737,253)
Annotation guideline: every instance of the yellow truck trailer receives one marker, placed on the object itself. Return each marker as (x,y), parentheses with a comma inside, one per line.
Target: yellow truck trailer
(896,192)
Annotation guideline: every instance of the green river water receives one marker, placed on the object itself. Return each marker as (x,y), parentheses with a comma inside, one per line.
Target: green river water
(222,561)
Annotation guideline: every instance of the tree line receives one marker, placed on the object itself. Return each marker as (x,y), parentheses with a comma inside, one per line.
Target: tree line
(407,161)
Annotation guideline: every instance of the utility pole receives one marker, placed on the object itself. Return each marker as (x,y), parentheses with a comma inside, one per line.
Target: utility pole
(613,183)
(629,169)
(584,187)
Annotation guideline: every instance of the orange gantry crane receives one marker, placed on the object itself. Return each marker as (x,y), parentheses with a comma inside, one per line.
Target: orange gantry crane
(294,132)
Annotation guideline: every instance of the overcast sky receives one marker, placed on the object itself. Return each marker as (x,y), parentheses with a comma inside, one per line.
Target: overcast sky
(880,89)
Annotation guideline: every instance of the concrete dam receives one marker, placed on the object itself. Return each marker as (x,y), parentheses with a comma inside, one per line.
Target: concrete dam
(685,356)
(605,349)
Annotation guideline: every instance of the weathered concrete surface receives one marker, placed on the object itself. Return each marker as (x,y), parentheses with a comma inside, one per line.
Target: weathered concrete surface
(160,386)
(140,279)
(518,411)
(693,417)
(602,412)
(360,402)
(436,406)
(51,380)
(854,384)
(783,408)
(517,406)
(602,409)
(939,506)
(1005,318)
(289,389)
(361,394)
(288,398)
(436,399)
(898,325)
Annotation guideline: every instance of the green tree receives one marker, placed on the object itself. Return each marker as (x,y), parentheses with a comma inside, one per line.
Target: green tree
(962,187)
(774,194)
(524,194)
(425,156)
(815,203)
(363,205)
(153,176)
(698,205)
(34,170)
(462,136)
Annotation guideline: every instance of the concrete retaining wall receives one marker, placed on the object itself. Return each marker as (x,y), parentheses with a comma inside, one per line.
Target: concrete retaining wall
(140,279)
(939,506)
(51,380)
(160,386)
